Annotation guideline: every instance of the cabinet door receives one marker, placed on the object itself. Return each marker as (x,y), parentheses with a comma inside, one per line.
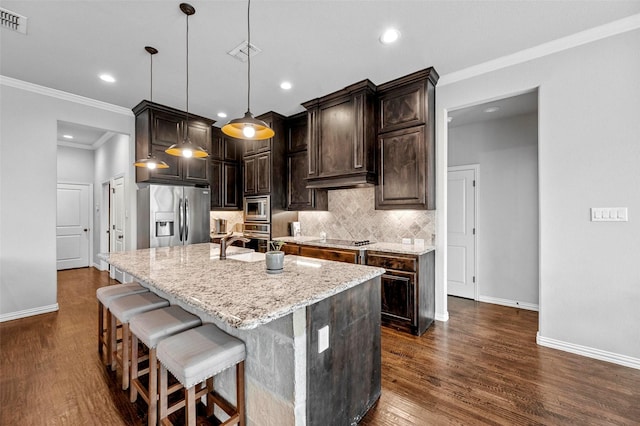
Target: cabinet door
(232,196)
(402,170)
(291,248)
(336,139)
(217,144)
(216,182)
(397,293)
(298,196)
(297,134)
(173,173)
(166,129)
(195,170)
(263,173)
(402,107)
(250,168)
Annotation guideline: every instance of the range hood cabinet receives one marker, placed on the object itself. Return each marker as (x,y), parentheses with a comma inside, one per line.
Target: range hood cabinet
(342,138)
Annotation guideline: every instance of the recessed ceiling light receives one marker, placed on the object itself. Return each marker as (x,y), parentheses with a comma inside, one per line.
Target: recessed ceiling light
(222,114)
(492,109)
(67,136)
(108,78)
(285,85)
(389,36)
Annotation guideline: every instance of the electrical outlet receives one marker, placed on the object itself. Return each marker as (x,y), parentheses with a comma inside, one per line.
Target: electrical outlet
(323,339)
(609,214)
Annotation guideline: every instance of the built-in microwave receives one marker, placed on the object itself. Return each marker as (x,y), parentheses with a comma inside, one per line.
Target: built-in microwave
(257,209)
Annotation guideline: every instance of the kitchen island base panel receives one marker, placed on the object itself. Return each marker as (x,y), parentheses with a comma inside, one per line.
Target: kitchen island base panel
(288,382)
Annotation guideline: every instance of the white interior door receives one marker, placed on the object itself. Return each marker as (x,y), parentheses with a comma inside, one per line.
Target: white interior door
(117,219)
(461,232)
(72,226)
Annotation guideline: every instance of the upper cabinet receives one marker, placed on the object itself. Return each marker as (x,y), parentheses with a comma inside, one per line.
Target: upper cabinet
(406,142)
(299,197)
(342,138)
(157,128)
(225,176)
(264,163)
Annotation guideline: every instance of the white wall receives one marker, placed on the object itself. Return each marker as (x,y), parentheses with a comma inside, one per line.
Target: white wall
(589,156)
(75,165)
(111,160)
(28,190)
(507,228)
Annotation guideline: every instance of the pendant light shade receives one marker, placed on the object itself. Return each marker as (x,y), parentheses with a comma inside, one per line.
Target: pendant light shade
(151,162)
(248,127)
(185,148)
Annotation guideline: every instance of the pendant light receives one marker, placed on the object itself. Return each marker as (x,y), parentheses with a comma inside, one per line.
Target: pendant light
(248,127)
(186,148)
(151,162)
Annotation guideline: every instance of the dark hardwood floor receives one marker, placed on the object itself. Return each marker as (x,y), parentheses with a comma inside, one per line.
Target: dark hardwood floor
(481,367)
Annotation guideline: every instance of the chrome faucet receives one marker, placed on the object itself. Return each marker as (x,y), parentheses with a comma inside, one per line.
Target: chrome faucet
(226,241)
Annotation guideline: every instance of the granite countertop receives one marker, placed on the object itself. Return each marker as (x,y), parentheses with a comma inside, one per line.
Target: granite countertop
(240,293)
(396,248)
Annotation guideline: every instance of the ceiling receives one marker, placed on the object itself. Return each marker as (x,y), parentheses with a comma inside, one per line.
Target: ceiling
(84,137)
(319,46)
(525,103)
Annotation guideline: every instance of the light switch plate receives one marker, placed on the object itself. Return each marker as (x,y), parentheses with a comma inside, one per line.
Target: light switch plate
(323,339)
(609,214)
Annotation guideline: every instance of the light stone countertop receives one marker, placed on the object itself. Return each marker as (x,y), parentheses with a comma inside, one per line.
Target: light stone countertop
(395,248)
(242,294)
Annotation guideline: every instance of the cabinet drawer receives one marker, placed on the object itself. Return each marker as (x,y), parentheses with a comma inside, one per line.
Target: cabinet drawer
(348,256)
(400,263)
(290,248)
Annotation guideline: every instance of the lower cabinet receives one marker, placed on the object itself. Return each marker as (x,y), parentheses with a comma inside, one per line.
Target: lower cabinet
(326,253)
(407,291)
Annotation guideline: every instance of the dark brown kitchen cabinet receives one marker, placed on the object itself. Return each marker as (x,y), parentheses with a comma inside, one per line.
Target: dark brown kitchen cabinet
(408,289)
(342,138)
(338,255)
(299,197)
(225,185)
(225,172)
(157,128)
(264,163)
(406,142)
(291,248)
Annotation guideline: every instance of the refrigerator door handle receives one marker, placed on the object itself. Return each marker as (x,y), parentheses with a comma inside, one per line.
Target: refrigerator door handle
(180,219)
(186,220)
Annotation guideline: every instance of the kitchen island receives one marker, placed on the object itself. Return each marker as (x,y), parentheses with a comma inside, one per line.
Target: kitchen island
(293,377)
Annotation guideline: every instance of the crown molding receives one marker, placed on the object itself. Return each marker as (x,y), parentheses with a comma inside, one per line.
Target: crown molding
(59,94)
(620,26)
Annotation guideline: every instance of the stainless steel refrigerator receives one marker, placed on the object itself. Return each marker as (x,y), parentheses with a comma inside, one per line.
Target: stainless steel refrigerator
(172,215)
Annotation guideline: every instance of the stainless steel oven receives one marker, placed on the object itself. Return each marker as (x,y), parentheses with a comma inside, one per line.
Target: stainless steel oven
(257,209)
(256,230)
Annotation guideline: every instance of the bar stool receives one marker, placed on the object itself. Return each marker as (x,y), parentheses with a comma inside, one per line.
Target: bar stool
(123,309)
(150,328)
(194,357)
(107,335)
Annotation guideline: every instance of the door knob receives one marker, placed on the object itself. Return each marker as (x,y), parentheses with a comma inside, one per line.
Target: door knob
(85,229)
(119,237)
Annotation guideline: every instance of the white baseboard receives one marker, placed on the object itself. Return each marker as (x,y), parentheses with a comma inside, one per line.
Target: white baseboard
(507,302)
(442,316)
(29,312)
(623,360)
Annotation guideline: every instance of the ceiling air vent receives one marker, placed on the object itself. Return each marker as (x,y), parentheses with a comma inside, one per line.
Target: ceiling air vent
(13,21)
(240,52)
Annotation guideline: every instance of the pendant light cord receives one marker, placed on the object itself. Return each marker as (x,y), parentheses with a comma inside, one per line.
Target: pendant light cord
(187,60)
(151,88)
(248,55)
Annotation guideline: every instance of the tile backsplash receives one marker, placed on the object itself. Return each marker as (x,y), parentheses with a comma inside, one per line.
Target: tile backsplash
(352,215)
(234,219)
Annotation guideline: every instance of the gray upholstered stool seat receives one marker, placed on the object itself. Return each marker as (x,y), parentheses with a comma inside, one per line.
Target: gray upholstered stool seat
(123,309)
(195,356)
(107,335)
(150,328)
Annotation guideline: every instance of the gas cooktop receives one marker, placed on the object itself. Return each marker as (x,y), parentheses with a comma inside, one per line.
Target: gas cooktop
(357,243)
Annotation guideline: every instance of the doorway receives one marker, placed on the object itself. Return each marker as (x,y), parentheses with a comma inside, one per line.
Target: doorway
(73,225)
(462,199)
(501,137)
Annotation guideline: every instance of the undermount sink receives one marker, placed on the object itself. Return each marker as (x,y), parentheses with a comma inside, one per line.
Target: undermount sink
(247,257)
